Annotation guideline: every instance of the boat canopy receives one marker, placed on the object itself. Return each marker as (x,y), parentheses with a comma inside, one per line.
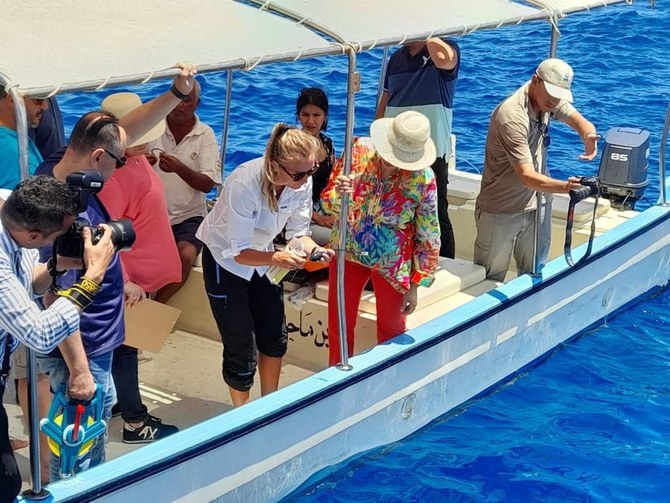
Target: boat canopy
(54,47)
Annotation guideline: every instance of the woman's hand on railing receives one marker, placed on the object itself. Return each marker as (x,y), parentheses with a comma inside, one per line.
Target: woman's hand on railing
(344,184)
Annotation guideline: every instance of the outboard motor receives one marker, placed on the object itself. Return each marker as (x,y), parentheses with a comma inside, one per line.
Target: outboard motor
(623,166)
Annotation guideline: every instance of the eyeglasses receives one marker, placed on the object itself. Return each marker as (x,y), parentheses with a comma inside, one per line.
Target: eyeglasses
(120,161)
(544,131)
(299,176)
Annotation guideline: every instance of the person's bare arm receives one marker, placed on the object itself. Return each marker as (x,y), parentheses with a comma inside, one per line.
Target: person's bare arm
(533,180)
(588,134)
(143,118)
(81,385)
(381,107)
(442,54)
(198,181)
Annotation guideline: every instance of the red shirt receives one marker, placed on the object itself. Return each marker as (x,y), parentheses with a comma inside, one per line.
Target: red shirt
(136,192)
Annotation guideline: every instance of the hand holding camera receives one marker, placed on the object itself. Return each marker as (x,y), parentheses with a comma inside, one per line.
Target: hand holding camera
(589,186)
(98,255)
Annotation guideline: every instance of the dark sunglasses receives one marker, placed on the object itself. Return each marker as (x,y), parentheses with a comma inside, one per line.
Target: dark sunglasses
(544,131)
(299,176)
(120,161)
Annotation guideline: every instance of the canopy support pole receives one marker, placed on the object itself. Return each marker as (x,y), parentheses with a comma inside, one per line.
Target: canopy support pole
(353,86)
(36,491)
(382,74)
(537,263)
(226,120)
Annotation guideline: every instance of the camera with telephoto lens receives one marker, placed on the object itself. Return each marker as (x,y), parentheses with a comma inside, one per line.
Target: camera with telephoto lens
(71,244)
(590,187)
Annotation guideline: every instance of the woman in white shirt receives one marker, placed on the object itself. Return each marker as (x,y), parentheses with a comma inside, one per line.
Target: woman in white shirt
(257,201)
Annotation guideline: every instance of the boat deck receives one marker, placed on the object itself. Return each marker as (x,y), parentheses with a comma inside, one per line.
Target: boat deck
(166,392)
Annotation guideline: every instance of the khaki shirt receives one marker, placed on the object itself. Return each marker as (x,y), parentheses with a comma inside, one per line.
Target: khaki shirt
(514,138)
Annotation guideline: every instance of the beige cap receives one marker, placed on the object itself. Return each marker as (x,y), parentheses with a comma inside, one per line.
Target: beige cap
(121,104)
(557,76)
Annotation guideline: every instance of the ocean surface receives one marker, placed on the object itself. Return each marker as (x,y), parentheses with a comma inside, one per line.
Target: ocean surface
(592,421)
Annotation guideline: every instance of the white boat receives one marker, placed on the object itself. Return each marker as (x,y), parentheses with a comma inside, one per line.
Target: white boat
(467,335)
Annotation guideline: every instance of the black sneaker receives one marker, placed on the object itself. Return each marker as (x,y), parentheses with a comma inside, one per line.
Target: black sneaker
(116,410)
(152,429)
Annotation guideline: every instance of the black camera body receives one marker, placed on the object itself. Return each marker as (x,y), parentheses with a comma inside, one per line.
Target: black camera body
(71,244)
(590,187)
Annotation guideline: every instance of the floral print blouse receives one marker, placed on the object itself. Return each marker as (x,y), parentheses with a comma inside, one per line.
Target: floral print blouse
(392,224)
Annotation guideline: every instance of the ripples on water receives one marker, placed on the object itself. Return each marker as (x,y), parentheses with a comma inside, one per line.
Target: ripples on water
(591,423)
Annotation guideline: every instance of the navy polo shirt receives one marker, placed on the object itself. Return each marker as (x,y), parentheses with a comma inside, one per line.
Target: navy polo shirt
(415,83)
(102,324)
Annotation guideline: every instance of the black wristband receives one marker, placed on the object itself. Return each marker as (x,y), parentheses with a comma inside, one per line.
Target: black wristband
(178,93)
(53,272)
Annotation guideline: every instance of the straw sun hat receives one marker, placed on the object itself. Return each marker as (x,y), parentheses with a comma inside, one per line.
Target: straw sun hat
(404,141)
(120,104)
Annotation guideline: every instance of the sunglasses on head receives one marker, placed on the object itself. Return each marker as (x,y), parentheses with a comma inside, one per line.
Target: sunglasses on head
(544,131)
(299,176)
(120,161)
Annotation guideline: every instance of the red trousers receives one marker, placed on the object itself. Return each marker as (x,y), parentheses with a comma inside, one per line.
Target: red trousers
(390,321)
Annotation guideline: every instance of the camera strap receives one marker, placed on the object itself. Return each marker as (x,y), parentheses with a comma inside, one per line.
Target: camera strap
(567,251)
(4,370)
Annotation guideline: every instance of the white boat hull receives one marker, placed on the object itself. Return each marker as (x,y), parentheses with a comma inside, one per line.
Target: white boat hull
(268,448)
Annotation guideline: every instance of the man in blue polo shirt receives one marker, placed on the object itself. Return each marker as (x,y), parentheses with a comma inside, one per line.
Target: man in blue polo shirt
(422,76)
(98,142)
(10,174)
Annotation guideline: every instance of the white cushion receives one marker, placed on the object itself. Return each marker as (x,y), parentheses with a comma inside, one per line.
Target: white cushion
(453,275)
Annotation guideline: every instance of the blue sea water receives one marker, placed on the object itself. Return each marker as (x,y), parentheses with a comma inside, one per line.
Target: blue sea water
(591,423)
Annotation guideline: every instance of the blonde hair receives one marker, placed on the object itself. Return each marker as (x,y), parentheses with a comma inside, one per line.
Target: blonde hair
(286,143)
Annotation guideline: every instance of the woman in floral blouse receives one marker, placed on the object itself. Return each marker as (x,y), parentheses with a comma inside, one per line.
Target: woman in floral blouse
(393,235)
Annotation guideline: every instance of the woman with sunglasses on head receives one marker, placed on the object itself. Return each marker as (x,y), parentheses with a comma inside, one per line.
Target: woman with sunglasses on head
(311,109)
(257,200)
(393,234)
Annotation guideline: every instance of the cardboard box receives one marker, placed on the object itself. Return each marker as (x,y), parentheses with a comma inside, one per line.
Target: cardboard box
(148,324)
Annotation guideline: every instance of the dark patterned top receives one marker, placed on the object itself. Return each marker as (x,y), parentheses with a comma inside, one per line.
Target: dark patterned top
(320,177)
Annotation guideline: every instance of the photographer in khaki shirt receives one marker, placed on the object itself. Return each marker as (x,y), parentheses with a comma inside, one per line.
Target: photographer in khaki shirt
(515,146)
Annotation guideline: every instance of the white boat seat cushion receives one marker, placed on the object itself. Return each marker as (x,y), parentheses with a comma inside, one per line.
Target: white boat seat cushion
(453,275)
(583,209)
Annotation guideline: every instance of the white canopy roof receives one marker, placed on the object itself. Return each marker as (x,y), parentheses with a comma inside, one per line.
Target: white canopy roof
(69,44)
(381,22)
(371,22)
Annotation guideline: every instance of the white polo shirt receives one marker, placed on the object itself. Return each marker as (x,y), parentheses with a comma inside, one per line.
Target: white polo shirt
(200,152)
(242,219)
